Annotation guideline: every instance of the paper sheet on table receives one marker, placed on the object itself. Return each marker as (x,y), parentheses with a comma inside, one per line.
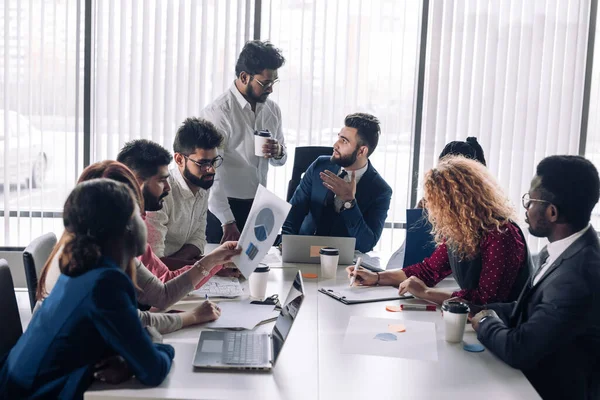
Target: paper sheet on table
(242,315)
(220,286)
(265,220)
(273,258)
(418,342)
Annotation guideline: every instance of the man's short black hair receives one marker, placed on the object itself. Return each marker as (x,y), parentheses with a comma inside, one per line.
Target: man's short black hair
(368,129)
(196,133)
(257,56)
(144,157)
(571,183)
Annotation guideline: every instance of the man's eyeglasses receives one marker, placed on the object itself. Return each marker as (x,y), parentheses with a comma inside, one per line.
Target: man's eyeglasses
(266,85)
(526,201)
(214,163)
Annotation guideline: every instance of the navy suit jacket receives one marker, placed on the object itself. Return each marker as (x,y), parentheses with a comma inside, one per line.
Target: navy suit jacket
(364,221)
(552,332)
(83,320)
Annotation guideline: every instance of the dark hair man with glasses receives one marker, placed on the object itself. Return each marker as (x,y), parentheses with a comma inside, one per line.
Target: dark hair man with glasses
(243,109)
(552,332)
(343,195)
(177,231)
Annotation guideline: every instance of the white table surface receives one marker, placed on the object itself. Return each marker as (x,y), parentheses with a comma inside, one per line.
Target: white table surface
(311,365)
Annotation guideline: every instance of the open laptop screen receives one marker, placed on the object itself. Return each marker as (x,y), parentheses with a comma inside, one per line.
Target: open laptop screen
(288,315)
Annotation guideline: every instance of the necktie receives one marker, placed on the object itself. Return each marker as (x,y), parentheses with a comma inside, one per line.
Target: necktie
(542,258)
(330,194)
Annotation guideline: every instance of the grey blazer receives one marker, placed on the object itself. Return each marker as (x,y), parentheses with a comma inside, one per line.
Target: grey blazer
(552,332)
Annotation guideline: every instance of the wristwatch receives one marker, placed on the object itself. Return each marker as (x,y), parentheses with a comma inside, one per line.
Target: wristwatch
(348,204)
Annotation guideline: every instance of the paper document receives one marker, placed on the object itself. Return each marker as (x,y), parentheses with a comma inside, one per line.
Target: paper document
(265,220)
(273,258)
(242,315)
(362,294)
(416,340)
(220,286)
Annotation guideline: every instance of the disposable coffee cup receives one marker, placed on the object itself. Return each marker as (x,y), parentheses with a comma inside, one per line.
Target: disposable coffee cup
(455,318)
(260,138)
(329,262)
(258,282)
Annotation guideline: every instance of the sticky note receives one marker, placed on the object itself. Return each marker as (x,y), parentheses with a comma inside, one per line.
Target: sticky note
(386,337)
(396,328)
(309,276)
(314,251)
(393,308)
(474,348)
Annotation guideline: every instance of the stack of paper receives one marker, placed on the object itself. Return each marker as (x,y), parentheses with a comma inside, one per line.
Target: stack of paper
(219,286)
(242,315)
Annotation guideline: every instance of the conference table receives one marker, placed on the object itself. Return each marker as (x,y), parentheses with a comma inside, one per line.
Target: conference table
(312,365)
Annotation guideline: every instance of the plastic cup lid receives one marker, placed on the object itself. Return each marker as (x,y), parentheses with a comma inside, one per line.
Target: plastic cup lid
(456,307)
(262,268)
(262,133)
(329,251)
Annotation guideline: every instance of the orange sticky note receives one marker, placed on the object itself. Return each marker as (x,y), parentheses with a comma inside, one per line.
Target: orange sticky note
(309,276)
(393,308)
(396,328)
(314,251)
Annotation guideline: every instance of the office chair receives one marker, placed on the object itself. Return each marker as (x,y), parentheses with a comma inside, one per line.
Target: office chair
(303,157)
(34,257)
(9,311)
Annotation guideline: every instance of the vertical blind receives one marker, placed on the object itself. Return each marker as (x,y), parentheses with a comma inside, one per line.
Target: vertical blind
(344,57)
(510,73)
(158,62)
(40,114)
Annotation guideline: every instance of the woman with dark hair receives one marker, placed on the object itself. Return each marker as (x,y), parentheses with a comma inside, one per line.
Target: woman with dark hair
(477,240)
(151,291)
(91,314)
(469,149)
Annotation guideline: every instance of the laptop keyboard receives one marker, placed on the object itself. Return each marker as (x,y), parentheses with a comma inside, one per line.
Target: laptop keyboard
(244,348)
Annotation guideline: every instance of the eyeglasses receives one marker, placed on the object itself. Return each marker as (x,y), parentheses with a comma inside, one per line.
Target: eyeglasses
(214,163)
(526,201)
(267,85)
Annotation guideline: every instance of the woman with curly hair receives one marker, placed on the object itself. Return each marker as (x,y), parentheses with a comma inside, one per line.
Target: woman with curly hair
(476,239)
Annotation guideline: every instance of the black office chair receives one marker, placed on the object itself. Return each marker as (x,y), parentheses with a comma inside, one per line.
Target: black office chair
(9,311)
(303,157)
(34,257)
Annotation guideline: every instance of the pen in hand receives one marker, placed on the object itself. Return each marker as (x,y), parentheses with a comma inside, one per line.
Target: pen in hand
(353,277)
(206,296)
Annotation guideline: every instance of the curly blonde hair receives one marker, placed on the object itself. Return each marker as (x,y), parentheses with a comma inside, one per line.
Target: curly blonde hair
(464,202)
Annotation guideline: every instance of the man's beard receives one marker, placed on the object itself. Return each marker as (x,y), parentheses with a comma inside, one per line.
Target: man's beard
(345,161)
(254,97)
(151,202)
(198,182)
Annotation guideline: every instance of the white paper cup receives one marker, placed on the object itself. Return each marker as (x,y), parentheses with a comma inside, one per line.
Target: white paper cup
(329,261)
(455,318)
(260,138)
(258,282)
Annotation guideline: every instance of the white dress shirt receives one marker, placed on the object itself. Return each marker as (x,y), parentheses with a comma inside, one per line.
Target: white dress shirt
(555,249)
(182,219)
(241,172)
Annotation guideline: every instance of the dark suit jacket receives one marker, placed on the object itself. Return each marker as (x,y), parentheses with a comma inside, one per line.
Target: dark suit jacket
(364,221)
(552,332)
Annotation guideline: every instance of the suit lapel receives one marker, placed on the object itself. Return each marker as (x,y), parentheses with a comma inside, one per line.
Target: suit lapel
(363,197)
(321,191)
(588,238)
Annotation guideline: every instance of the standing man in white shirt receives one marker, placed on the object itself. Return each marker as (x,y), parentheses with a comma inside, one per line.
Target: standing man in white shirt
(177,232)
(239,112)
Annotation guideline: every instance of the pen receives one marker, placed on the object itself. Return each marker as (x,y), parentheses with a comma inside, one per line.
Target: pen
(417,307)
(206,296)
(353,277)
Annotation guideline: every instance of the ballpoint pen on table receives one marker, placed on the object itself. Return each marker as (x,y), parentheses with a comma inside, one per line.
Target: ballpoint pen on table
(353,277)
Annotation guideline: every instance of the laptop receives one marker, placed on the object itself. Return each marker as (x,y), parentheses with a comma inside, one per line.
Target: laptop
(305,249)
(250,350)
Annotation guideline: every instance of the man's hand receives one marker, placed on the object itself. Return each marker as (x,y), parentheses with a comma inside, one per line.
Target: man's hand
(112,370)
(272,149)
(477,318)
(230,232)
(345,191)
(230,270)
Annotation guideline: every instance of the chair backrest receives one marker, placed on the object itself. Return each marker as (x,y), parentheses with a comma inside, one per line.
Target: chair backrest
(34,257)
(9,311)
(303,157)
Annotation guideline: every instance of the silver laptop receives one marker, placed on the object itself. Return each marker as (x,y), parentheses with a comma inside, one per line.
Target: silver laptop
(250,350)
(305,249)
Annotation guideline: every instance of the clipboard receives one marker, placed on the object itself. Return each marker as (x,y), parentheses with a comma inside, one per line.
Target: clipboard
(363,294)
